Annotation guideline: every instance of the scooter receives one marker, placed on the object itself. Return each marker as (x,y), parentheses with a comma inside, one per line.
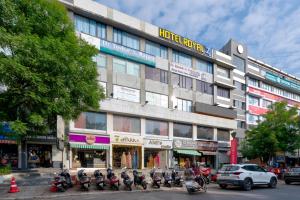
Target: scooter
(176,179)
(195,184)
(206,172)
(139,180)
(126,179)
(112,180)
(65,173)
(156,179)
(84,180)
(100,179)
(59,184)
(167,179)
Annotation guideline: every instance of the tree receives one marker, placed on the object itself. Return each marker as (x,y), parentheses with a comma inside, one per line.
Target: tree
(46,69)
(279,131)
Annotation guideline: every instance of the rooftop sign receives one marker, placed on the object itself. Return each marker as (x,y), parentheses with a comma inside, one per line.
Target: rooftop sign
(168,35)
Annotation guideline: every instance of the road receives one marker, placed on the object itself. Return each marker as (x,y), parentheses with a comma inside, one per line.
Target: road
(291,192)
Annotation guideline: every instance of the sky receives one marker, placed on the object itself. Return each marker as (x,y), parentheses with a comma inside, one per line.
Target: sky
(269,28)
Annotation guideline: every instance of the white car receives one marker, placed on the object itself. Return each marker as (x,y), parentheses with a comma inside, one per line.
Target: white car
(245,176)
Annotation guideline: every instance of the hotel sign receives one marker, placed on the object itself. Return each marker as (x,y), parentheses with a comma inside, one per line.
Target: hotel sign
(187,71)
(281,81)
(127,53)
(168,35)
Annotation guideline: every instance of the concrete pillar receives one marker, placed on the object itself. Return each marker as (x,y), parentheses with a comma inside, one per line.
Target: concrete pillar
(171,130)
(109,128)
(142,84)
(109,70)
(143,127)
(19,156)
(109,33)
(194,132)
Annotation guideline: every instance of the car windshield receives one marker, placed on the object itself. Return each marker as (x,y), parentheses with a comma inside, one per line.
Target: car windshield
(295,169)
(230,168)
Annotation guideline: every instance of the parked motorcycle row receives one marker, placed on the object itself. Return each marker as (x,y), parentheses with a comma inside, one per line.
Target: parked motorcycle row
(167,178)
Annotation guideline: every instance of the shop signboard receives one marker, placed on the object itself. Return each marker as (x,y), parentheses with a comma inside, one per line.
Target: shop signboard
(282,81)
(197,145)
(126,93)
(158,143)
(233,151)
(89,138)
(257,110)
(127,139)
(127,53)
(187,71)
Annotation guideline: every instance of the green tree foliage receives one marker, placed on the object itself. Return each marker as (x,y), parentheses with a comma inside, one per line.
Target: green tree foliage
(47,70)
(279,131)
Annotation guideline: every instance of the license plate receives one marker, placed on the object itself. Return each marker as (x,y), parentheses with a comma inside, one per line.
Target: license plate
(86,185)
(225,174)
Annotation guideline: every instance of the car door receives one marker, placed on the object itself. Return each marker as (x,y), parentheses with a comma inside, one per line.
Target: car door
(261,175)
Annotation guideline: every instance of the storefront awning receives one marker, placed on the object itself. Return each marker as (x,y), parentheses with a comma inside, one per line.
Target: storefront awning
(209,153)
(189,152)
(87,146)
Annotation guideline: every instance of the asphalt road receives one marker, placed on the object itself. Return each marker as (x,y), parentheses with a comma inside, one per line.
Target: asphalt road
(282,192)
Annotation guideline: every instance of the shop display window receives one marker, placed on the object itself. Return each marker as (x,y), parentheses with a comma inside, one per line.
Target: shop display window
(39,155)
(89,158)
(155,158)
(9,155)
(127,156)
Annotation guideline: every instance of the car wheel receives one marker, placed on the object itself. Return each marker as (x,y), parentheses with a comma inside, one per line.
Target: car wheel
(223,186)
(247,186)
(287,182)
(273,182)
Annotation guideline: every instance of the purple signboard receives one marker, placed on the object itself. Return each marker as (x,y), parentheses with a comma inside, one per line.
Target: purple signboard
(85,138)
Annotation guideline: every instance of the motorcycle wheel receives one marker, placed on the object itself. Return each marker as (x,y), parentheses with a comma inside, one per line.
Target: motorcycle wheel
(158,185)
(130,188)
(190,191)
(116,187)
(144,185)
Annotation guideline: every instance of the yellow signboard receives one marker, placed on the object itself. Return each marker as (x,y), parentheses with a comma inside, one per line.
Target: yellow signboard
(163,33)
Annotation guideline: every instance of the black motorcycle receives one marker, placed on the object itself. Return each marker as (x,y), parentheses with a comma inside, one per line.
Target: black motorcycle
(177,180)
(167,179)
(139,179)
(84,180)
(99,179)
(156,179)
(126,179)
(68,181)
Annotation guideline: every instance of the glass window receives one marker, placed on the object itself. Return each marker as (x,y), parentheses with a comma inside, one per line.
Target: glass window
(91,120)
(204,66)
(182,81)
(122,66)
(239,63)
(156,74)
(126,39)
(89,26)
(206,133)
(223,72)
(156,49)
(126,124)
(252,119)
(241,124)
(223,135)
(183,130)
(239,104)
(223,92)
(204,87)
(253,82)
(184,105)
(154,127)
(239,85)
(253,100)
(182,58)
(157,99)
(100,60)
(266,103)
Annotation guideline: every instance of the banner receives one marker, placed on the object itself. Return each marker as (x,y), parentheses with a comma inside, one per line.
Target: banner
(233,151)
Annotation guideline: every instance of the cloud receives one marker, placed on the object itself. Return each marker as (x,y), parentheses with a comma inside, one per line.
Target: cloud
(270,29)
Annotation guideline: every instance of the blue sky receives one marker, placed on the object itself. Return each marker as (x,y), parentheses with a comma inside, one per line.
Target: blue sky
(270,28)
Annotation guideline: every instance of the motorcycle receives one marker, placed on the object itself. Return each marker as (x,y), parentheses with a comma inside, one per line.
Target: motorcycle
(195,183)
(84,180)
(167,179)
(100,179)
(139,179)
(65,173)
(59,184)
(156,179)
(176,179)
(126,179)
(112,180)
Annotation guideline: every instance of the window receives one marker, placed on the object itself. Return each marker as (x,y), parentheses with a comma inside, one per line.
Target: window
(182,81)
(126,39)
(253,100)
(223,72)
(204,87)
(266,103)
(126,93)
(183,130)
(157,99)
(154,127)
(239,85)
(91,120)
(100,60)
(241,124)
(184,105)
(182,58)
(126,124)
(253,82)
(252,119)
(223,92)
(156,74)
(126,67)
(90,27)
(268,87)
(206,133)
(223,135)
(239,104)
(156,50)
(204,66)
(239,63)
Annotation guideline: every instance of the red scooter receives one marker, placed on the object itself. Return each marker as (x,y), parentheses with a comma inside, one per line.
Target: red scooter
(112,180)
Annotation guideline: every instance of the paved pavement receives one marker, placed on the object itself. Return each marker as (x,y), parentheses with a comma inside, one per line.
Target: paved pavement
(283,191)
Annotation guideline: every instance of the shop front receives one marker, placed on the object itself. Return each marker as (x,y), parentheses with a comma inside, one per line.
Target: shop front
(223,156)
(8,152)
(209,153)
(88,150)
(127,151)
(157,152)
